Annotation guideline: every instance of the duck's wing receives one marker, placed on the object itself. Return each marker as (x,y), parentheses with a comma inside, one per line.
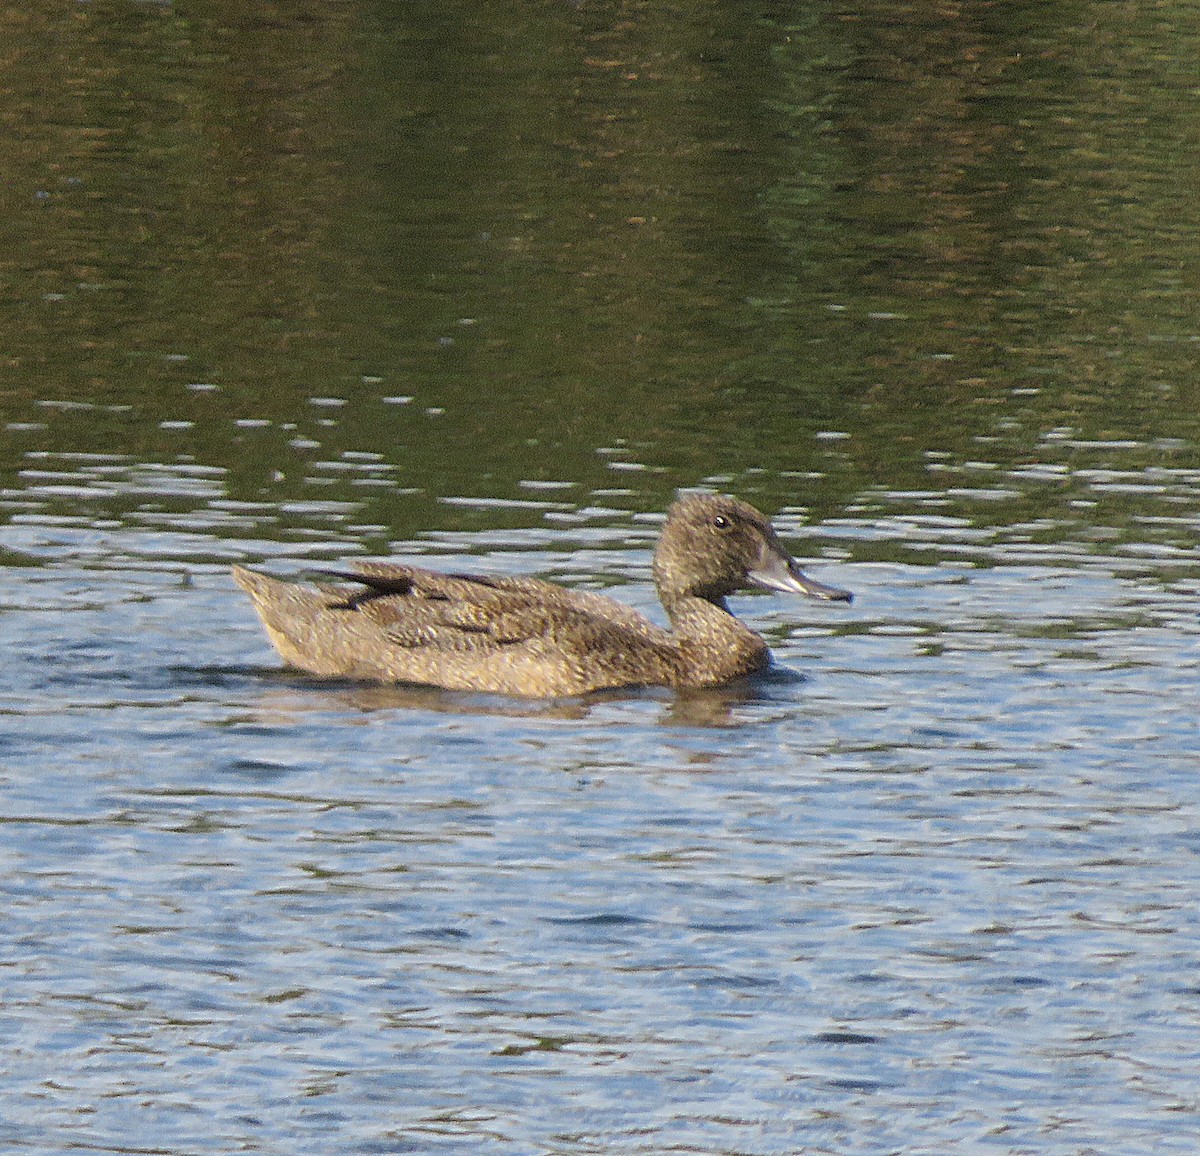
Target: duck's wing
(415,607)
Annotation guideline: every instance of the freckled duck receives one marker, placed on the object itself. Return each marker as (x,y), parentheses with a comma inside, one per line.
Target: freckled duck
(524,636)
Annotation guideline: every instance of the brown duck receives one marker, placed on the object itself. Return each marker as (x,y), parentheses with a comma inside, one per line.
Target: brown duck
(524,636)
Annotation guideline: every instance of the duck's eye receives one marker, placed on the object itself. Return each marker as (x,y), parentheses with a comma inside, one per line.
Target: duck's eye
(721,522)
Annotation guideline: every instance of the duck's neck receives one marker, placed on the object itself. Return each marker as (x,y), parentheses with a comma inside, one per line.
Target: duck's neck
(715,646)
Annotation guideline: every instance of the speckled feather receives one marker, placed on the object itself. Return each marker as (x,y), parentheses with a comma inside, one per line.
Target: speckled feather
(524,636)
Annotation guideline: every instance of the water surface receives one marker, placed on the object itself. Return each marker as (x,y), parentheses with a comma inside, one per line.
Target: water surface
(483,287)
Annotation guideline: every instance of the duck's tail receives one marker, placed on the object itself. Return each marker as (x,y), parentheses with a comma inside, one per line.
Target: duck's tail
(308,625)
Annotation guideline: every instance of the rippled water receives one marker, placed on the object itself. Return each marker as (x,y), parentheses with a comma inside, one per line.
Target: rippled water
(930,886)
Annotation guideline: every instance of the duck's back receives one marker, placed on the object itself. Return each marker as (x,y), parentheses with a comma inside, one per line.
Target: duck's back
(460,631)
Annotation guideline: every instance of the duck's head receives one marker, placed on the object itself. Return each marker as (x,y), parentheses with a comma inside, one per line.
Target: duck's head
(712,545)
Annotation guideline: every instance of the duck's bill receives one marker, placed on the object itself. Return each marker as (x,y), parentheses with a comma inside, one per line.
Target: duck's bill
(776,573)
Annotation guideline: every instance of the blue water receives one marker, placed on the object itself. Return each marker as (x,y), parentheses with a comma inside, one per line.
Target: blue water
(931,886)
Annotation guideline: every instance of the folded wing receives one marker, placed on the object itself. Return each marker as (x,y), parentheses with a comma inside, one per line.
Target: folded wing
(415,608)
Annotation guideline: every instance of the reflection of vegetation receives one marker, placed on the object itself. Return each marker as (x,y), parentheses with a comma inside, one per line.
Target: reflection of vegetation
(696,236)
(970,154)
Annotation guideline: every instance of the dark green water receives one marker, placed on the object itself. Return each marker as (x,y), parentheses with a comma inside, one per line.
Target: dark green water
(699,237)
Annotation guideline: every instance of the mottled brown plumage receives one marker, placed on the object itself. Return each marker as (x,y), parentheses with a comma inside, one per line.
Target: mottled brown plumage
(523,636)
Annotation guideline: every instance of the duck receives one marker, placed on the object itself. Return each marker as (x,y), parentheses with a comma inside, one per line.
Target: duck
(386,622)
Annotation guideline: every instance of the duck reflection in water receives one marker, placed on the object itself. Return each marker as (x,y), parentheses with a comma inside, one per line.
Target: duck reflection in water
(528,637)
